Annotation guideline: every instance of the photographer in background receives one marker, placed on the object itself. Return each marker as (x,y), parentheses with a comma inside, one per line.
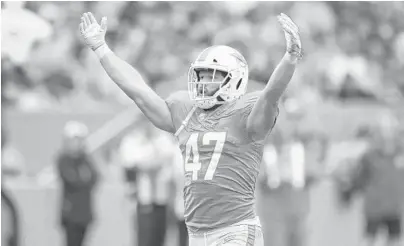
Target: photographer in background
(379,176)
(79,176)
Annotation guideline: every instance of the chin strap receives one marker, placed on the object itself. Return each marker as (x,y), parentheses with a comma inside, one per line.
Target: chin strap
(185,122)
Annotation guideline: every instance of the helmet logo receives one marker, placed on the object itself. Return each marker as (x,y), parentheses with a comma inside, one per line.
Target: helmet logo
(241,59)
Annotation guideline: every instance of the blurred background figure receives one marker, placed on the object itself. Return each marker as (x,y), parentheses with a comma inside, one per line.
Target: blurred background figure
(147,154)
(349,154)
(284,198)
(79,176)
(379,176)
(179,209)
(9,221)
(292,162)
(11,166)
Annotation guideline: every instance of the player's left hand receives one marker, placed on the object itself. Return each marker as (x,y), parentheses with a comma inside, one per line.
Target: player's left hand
(293,43)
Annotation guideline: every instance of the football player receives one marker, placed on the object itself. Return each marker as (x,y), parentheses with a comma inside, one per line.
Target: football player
(220,129)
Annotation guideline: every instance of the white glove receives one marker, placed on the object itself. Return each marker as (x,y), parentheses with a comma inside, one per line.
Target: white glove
(293,43)
(92,33)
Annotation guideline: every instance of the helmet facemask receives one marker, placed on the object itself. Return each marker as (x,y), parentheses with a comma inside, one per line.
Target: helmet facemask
(228,88)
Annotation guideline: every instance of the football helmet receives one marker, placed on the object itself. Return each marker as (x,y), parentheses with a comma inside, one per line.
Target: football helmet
(230,63)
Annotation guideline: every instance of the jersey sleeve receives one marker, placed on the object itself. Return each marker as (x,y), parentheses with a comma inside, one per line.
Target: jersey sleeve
(249,101)
(178,104)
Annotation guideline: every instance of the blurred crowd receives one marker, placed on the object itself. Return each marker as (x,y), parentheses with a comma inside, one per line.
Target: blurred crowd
(353,53)
(352,49)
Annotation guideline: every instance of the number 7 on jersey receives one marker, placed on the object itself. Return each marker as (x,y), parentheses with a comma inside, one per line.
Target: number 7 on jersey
(192,148)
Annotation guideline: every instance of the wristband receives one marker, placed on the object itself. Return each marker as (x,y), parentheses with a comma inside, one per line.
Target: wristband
(102,51)
(292,58)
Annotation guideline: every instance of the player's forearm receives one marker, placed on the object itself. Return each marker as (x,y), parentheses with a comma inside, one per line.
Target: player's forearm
(125,76)
(280,79)
(133,85)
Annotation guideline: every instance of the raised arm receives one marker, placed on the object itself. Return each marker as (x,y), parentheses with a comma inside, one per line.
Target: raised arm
(124,75)
(264,113)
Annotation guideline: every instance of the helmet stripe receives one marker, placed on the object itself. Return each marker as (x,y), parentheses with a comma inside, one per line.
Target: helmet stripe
(204,55)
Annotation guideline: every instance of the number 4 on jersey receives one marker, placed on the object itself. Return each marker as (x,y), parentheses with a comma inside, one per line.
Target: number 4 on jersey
(192,147)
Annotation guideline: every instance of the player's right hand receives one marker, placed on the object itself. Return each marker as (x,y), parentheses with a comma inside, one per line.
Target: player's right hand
(292,35)
(93,33)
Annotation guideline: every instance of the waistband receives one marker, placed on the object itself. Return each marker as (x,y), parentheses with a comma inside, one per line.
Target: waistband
(254,222)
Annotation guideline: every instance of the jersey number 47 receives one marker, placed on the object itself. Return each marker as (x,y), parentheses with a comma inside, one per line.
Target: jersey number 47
(195,165)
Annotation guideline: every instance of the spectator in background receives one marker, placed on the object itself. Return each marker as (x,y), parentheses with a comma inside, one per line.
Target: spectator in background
(349,154)
(380,177)
(147,156)
(284,200)
(79,177)
(288,169)
(178,178)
